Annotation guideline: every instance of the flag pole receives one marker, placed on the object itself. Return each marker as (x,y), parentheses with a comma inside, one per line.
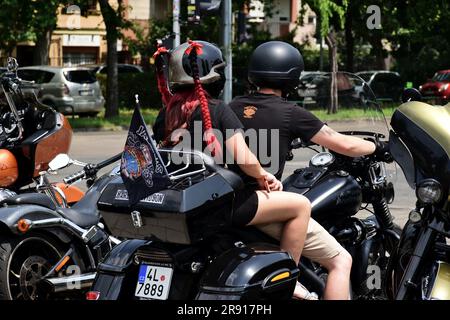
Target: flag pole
(138,104)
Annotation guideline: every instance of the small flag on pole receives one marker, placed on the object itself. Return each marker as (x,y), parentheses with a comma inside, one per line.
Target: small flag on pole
(142,169)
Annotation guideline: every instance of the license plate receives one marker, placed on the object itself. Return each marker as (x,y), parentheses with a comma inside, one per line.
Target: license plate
(86,93)
(154,282)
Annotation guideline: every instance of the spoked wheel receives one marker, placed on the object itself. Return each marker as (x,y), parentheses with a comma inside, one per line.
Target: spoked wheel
(23,262)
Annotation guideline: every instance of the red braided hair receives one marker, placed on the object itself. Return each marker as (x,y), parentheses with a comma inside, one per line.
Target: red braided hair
(166,95)
(183,103)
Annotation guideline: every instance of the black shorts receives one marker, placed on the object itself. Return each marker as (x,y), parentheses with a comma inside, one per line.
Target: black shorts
(245,207)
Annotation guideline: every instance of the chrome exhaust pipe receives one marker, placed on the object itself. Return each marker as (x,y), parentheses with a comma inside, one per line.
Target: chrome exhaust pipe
(70,283)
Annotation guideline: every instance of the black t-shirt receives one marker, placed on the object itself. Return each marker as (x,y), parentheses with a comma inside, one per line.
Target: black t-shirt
(224,120)
(266,113)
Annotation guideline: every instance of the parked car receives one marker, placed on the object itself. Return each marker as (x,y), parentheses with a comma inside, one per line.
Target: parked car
(314,89)
(386,85)
(68,90)
(122,68)
(438,86)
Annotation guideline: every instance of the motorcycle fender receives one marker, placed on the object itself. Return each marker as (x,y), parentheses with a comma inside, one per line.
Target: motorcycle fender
(9,216)
(360,255)
(111,276)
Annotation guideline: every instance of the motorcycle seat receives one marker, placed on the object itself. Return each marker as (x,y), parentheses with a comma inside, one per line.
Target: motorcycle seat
(84,213)
(30,198)
(233,179)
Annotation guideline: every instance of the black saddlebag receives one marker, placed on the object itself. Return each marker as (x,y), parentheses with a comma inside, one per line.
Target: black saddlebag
(250,273)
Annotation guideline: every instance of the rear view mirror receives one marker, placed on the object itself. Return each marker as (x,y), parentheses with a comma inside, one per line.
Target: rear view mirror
(61,161)
(411,94)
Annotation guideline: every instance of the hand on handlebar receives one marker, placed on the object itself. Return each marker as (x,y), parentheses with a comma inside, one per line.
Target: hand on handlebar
(382,152)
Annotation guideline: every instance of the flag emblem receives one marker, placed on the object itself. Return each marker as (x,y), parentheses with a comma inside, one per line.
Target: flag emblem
(142,169)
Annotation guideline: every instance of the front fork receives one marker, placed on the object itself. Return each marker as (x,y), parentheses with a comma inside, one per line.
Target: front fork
(425,241)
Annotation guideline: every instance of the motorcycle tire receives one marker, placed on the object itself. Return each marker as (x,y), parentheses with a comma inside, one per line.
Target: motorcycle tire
(22,261)
(379,256)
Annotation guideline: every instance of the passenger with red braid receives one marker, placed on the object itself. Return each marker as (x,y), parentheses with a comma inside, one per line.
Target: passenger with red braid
(196,75)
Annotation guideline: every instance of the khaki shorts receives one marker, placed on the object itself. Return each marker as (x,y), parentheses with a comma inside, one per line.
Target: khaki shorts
(319,244)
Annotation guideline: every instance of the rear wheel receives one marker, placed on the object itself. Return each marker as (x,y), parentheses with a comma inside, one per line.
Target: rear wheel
(23,262)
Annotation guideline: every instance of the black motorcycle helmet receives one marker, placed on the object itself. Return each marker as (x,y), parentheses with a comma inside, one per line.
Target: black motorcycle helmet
(276,65)
(211,65)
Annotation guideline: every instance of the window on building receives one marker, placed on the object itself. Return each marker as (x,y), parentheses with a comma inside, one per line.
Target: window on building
(72,59)
(88,8)
(311,20)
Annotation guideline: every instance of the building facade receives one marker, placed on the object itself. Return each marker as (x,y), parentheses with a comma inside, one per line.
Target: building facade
(80,37)
(285,19)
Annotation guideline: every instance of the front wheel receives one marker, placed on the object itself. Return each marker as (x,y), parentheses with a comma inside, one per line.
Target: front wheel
(23,262)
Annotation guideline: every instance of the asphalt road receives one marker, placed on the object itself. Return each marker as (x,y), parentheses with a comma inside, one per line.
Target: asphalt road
(94,147)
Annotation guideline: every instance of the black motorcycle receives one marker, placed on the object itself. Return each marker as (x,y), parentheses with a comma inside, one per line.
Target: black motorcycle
(340,187)
(420,142)
(183,238)
(49,250)
(183,247)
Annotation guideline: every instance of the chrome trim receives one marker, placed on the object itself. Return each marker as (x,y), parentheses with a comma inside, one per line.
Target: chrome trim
(60,284)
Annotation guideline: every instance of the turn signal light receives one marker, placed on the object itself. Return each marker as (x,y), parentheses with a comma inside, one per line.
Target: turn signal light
(281,276)
(93,295)
(23,225)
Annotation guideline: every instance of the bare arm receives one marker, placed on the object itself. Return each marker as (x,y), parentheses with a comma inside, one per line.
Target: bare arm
(343,144)
(249,163)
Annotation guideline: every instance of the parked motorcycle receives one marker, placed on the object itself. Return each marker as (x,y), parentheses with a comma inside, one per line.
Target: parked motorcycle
(48,249)
(420,142)
(31,135)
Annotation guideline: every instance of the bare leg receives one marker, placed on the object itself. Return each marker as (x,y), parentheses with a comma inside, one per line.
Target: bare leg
(292,209)
(338,281)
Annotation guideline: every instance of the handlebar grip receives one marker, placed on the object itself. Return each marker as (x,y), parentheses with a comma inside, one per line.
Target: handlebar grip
(75,177)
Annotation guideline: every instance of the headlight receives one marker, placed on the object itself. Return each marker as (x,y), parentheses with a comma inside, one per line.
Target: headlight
(443,88)
(429,191)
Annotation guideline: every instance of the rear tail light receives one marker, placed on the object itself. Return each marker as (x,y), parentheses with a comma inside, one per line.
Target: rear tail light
(93,295)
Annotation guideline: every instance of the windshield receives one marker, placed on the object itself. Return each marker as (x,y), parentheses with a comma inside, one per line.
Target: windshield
(356,110)
(441,76)
(365,76)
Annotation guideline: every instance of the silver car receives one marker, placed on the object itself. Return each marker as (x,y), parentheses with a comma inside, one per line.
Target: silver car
(68,90)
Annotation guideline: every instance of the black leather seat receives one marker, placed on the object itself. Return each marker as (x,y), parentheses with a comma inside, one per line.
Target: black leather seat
(38,199)
(84,213)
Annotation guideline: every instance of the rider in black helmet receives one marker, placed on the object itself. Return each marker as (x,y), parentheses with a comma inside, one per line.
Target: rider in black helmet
(276,65)
(275,69)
